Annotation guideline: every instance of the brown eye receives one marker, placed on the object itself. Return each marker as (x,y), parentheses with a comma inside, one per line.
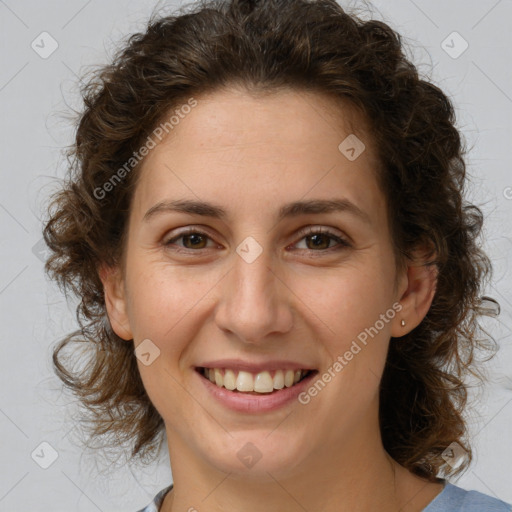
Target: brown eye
(195,240)
(320,240)
(317,240)
(192,239)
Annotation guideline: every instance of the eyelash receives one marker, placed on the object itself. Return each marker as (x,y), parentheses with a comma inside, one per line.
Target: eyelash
(343,244)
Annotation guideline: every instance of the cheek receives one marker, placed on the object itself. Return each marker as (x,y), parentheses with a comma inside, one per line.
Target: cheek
(348,299)
(161,296)
(162,308)
(169,305)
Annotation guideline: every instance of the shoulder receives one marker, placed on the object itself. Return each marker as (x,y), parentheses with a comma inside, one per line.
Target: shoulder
(456,499)
(451,499)
(157,501)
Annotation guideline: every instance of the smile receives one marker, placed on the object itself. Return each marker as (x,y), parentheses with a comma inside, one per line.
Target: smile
(266,381)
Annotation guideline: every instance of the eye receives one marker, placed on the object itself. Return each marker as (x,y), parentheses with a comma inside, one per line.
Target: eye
(320,237)
(195,239)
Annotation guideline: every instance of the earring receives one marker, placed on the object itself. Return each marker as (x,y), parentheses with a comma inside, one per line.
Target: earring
(402,323)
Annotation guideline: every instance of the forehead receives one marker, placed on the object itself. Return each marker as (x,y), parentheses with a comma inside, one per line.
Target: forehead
(231,116)
(234,144)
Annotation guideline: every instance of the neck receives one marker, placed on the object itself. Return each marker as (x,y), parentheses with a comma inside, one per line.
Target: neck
(358,476)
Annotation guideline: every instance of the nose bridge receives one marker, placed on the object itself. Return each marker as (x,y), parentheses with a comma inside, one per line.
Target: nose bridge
(253,302)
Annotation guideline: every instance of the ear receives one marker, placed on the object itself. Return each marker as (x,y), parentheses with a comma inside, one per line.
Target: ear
(416,292)
(116,301)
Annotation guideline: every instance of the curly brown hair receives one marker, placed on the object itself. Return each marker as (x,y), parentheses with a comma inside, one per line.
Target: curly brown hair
(269,45)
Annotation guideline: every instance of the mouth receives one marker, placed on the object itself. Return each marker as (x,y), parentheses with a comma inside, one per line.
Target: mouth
(265,382)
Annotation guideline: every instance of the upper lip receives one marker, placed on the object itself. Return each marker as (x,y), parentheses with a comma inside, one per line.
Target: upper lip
(255,367)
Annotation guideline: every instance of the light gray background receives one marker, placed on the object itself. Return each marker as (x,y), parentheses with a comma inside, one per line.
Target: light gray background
(36,95)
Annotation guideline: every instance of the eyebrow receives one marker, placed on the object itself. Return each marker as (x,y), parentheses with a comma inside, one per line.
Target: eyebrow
(294,209)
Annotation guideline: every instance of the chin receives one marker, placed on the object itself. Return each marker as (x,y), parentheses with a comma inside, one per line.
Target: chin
(255,454)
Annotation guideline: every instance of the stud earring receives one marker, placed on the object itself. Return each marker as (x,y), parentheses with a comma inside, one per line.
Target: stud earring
(402,323)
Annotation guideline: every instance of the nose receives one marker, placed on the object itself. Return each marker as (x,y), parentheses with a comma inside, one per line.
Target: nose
(255,301)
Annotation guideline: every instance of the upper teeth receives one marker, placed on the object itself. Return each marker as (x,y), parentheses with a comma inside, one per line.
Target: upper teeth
(262,382)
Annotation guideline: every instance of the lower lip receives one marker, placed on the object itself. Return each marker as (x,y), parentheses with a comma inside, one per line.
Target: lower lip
(244,402)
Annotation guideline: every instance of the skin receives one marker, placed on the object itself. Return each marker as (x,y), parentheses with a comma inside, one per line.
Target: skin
(250,155)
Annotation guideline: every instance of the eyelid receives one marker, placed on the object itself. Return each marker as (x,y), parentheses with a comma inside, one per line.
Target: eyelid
(332,232)
(188,231)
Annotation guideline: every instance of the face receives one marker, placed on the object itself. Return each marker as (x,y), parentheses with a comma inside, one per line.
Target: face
(261,287)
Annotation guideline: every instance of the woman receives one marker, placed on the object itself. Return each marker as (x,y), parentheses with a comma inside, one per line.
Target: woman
(277,268)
